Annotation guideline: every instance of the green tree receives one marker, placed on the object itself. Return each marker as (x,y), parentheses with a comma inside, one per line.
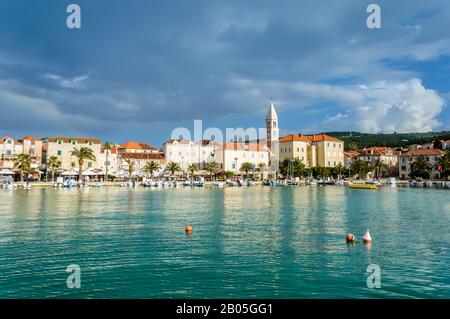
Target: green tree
(151,167)
(359,167)
(192,169)
(443,164)
(173,167)
(131,167)
(53,162)
(228,174)
(211,168)
(379,167)
(22,163)
(246,167)
(339,170)
(82,154)
(420,168)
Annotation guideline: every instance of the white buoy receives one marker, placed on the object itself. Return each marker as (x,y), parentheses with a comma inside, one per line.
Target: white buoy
(367,238)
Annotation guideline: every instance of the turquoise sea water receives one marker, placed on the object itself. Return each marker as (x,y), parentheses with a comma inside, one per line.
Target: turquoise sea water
(256,242)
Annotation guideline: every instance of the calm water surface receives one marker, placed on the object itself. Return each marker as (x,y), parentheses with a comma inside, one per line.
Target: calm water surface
(247,242)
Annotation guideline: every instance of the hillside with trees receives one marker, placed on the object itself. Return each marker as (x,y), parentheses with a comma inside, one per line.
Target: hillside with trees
(357,140)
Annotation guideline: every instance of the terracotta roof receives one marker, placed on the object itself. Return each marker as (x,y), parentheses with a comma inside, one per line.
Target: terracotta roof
(309,138)
(423,152)
(31,138)
(351,154)
(292,137)
(145,156)
(136,145)
(80,140)
(113,150)
(254,147)
(377,151)
(4,138)
(180,141)
(323,137)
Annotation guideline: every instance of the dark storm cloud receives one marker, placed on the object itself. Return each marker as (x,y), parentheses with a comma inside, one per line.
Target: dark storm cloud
(168,61)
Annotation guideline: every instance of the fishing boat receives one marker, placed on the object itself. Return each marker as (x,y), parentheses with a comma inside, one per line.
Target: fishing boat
(363,186)
(311,183)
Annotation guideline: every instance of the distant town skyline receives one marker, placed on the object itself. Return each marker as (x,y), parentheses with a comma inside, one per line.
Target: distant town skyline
(135,71)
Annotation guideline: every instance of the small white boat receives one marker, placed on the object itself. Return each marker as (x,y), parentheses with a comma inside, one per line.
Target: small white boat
(187,183)
(311,183)
(232,183)
(199,183)
(217,184)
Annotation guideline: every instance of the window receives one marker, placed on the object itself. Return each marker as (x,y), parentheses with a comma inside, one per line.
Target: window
(90,143)
(334,145)
(59,153)
(90,164)
(73,164)
(328,144)
(9,141)
(298,149)
(233,166)
(74,142)
(329,163)
(59,142)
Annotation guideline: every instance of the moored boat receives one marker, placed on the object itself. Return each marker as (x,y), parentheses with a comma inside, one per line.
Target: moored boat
(363,186)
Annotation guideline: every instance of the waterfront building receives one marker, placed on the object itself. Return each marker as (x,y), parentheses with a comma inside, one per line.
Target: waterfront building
(230,156)
(186,152)
(349,157)
(9,149)
(313,150)
(32,147)
(297,147)
(431,155)
(63,146)
(385,154)
(139,154)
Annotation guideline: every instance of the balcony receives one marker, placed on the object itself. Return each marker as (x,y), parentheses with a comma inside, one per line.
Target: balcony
(8,157)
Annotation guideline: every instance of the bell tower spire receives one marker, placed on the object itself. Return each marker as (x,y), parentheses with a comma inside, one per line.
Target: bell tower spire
(272,129)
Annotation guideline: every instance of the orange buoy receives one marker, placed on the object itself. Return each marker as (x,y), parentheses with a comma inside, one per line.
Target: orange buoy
(367,238)
(350,238)
(188,229)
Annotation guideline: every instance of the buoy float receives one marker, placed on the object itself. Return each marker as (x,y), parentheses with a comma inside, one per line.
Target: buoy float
(367,238)
(188,229)
(350,238)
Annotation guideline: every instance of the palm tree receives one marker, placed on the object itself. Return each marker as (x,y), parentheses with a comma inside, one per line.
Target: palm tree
(107,147)
(82,153)
(360,167)
(339,170)
(131,167)
(443,165)
(22,163)
(228,174)
(211,167)
(352,146)
(379,166)
(420,168)
(151,167)
(52,163)
(192,168)
(261,168)
(245,167)
(173,167)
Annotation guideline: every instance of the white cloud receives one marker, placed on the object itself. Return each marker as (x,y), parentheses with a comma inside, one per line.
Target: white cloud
(75,82)
(391,107)
(380,106)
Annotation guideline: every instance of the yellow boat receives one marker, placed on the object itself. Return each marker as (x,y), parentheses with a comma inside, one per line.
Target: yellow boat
(362,186)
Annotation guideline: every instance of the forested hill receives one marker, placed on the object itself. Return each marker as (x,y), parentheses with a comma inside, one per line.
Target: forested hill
(391,140)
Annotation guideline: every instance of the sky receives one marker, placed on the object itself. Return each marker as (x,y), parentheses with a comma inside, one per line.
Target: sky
(136,70)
